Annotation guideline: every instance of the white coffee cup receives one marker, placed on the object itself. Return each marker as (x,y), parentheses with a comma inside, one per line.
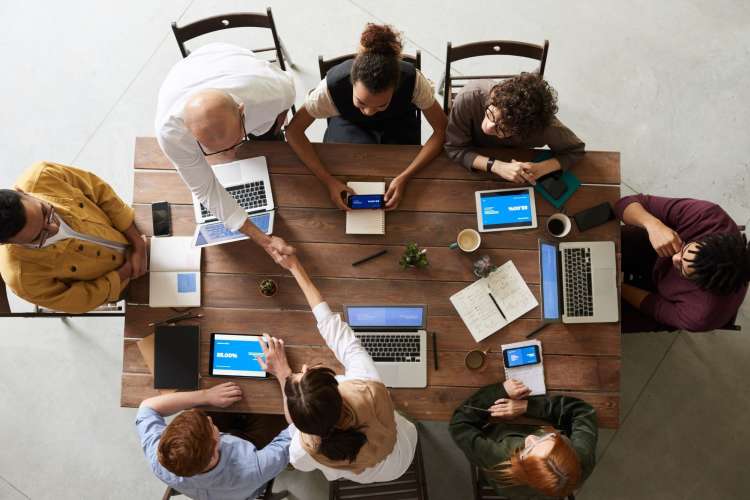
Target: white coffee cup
(560,225)
(468,240)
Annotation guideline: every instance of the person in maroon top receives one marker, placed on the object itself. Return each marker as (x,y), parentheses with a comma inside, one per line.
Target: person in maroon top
(685,262)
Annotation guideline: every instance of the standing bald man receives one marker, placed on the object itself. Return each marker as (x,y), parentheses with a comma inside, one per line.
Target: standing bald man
(211,102)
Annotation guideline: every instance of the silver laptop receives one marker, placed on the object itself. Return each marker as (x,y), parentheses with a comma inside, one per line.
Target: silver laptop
(395,338)
(579,282)
(249,183)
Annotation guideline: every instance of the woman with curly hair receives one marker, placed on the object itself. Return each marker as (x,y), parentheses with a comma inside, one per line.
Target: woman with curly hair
(523,461)
(518,112)
(371,99)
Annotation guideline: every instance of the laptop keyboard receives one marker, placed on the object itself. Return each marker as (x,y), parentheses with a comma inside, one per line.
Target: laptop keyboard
(394,347)
(579,299)
(250,196)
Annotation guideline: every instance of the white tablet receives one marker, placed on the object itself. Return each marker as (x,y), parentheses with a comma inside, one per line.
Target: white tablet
(506,209)
(234,355)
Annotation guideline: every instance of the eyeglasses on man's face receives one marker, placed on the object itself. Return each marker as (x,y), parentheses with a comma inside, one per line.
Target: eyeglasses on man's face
(496,122)
(48,216)
(240,143)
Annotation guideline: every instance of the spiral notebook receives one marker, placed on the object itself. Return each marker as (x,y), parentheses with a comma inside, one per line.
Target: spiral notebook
(531,375)
(366,221)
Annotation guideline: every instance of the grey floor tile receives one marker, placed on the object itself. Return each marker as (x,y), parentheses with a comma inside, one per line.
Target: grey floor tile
(10,492)
(302,485)
(447,470)
(684,437)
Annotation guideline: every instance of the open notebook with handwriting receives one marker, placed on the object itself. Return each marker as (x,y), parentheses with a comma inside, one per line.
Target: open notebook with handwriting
(490,303)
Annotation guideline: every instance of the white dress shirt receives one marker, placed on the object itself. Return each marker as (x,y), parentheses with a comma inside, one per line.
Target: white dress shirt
(265,90)
(358,365)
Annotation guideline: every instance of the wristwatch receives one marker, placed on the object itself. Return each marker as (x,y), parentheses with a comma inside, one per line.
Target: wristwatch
(490,162)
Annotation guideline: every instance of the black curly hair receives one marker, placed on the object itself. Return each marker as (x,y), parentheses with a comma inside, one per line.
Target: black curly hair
(12,214)
(526,102)
(721,263)
(377,64)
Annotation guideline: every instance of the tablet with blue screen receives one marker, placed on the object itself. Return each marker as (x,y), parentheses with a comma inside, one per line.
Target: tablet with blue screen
(506,209)
(234,355)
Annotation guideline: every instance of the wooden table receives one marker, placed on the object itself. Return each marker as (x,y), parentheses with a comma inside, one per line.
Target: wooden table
(580,360)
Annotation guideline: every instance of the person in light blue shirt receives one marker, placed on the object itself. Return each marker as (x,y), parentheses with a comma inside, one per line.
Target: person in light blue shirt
(191,454)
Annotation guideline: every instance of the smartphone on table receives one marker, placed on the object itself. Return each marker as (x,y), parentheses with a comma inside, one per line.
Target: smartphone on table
(162,218)
(522,356)
(594,216)
(365,201)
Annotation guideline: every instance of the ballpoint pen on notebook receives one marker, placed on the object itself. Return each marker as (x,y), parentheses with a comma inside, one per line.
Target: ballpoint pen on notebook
(175,319)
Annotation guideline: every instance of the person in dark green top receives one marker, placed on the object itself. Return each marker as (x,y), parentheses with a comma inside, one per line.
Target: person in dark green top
(527,461)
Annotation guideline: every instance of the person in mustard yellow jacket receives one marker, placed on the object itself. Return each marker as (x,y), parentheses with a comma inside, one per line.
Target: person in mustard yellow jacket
(67,241)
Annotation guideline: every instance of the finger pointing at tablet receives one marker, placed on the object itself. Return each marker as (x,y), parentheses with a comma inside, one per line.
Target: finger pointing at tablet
(276,363)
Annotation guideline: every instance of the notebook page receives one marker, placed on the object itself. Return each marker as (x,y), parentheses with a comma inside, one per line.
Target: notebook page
(510,291)
(477,310)
(175,253)
(366,221)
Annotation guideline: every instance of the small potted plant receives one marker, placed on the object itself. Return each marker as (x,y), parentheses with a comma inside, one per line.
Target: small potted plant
(483,267)
(414,257)
(268,288)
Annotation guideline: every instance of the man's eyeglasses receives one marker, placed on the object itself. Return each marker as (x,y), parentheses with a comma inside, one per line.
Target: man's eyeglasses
(48,214)
(242,141)
(499,130)
(542,439)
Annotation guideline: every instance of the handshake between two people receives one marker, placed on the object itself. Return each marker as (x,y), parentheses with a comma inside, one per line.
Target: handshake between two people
(281,252)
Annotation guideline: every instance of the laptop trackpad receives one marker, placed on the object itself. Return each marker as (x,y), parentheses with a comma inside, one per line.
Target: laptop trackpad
(229,174)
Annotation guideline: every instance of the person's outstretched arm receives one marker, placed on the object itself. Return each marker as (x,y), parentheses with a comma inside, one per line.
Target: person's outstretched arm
(337,334)
(300,144)
(434,145)
(221,396)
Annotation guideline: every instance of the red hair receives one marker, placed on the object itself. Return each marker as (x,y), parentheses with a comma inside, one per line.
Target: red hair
(187,444)
(556,475)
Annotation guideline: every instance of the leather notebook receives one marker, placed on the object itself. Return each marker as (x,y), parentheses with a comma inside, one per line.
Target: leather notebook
(176,357)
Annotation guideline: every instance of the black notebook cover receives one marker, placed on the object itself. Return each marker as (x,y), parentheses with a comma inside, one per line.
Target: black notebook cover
(176,357)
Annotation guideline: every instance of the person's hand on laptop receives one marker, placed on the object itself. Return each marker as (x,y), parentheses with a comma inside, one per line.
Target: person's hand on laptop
(223,395)
(509,408)
(336,190)
(516,389)
(664,239)
(275,363)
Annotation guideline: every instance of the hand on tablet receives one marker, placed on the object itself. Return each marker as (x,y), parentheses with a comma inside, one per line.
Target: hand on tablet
(223,395)
(275,363)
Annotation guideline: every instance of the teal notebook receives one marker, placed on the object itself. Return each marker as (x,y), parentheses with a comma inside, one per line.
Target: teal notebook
(570,180)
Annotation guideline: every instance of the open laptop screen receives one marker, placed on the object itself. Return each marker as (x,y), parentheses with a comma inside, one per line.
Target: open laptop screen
(388,317)
(550,285)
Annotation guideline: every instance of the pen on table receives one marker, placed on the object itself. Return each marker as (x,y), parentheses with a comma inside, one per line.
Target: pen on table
(496,305)
(378,254)
(434,349)
(181,317)
(537,330)
(477,408)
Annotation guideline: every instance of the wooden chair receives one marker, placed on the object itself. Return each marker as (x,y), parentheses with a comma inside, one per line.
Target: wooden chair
(411,485)
(235,20)
(325,65)
(488,48)
(268,494)
(38,312)
(483,490)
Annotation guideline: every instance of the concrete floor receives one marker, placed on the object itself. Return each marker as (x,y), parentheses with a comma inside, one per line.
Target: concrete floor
(662,82)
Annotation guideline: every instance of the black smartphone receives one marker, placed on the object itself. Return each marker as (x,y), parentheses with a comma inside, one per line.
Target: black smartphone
(162,218)
(554,186)
(360,201)
(594,216)
(522,356)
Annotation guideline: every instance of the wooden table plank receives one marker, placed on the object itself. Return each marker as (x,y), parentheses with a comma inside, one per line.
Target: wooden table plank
(432,403)
(600,167)
(241,291)
(422,195)
(582,373)
(427,228)
(299,328)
